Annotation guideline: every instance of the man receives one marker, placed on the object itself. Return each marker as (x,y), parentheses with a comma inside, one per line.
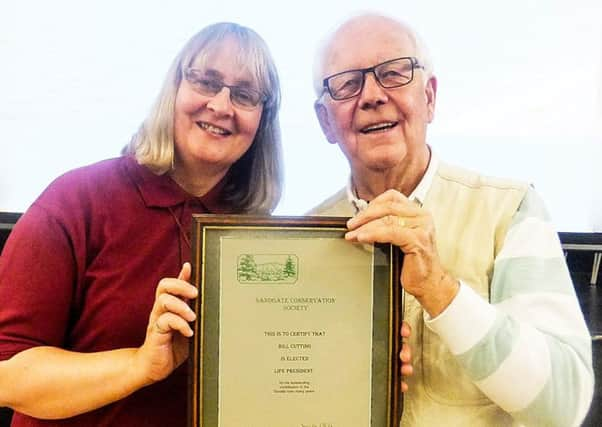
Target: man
(497,337)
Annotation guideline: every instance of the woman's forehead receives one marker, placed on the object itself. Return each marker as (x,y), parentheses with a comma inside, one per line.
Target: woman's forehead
(228,59)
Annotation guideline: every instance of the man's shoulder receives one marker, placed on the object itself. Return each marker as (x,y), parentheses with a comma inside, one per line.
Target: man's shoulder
(467,193)
(335,205)
(472,179)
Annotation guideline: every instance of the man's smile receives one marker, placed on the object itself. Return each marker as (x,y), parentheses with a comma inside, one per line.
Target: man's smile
(378,127)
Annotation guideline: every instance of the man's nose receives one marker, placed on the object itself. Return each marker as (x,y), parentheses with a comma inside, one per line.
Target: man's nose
(373,94)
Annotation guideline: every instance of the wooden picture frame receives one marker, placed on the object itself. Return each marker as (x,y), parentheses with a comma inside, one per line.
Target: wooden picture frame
(296,326)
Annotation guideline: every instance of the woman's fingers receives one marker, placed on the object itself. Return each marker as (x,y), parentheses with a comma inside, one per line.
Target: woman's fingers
(171,298)
(170,303)
(169,322)
(185,272)
(176,287)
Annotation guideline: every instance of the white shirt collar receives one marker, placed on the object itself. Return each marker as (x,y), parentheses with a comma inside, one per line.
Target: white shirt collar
(418,195)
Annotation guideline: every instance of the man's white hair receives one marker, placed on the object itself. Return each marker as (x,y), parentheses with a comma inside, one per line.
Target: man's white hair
(421,51)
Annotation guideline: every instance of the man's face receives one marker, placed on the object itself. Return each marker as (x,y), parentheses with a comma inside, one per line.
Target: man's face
(380,128)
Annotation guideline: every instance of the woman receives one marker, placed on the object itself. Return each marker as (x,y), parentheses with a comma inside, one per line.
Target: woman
(94,324)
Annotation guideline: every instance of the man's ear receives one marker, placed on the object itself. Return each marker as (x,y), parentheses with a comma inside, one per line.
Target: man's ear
(431,96)
(322,115)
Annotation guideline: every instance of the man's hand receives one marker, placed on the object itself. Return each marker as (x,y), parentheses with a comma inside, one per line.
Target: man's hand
(405,355)
(392,218)
(166,343)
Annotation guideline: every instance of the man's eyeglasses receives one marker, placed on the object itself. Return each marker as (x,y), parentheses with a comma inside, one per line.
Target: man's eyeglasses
(243,97)
(390,74)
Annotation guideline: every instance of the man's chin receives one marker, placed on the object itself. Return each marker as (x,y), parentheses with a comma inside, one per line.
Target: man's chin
(384,159)
(382,166)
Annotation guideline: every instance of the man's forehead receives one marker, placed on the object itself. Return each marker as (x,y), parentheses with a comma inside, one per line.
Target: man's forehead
(365,43)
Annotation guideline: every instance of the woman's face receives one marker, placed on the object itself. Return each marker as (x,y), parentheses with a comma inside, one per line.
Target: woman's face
(210,131)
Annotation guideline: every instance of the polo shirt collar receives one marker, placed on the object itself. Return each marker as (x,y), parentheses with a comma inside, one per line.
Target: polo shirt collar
(162,191)
(418,194)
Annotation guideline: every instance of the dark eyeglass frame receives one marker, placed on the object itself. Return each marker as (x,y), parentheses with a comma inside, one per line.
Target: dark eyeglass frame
(414,61)
(192,76)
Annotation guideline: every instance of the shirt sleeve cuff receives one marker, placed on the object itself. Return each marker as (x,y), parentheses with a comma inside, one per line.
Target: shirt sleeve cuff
(465,321)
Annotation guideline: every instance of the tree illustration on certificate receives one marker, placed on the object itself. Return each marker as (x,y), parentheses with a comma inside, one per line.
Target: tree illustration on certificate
(267,268)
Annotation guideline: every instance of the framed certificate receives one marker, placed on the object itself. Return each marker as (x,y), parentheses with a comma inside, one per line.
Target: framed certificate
(297,326)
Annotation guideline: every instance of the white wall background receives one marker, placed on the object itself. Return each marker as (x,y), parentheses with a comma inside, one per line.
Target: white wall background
(520,88)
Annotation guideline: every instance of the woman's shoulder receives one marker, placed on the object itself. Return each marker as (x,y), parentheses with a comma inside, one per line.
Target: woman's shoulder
(104,181)
(92,173)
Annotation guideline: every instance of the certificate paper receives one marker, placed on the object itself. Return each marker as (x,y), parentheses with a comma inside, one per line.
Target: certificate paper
(296,329)
(295,332)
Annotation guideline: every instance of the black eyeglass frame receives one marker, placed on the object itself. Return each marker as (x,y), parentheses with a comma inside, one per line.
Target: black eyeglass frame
(261,100)
(414,61)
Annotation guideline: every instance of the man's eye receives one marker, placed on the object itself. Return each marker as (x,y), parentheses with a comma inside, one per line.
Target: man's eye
(391,73)
(351,83)
(395,76)
(348,85)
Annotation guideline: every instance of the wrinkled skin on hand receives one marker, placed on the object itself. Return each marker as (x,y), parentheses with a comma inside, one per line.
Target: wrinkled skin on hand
(393,218)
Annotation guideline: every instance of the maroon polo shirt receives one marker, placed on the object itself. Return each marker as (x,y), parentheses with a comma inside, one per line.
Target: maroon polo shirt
(80,268)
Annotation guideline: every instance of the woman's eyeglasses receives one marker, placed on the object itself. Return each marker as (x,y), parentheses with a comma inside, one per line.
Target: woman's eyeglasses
(241,96)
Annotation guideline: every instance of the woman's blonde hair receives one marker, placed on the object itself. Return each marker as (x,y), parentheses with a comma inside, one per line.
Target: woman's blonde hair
(254,182)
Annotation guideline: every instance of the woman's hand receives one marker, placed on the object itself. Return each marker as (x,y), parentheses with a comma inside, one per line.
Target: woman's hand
(53,383)
(166,343)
